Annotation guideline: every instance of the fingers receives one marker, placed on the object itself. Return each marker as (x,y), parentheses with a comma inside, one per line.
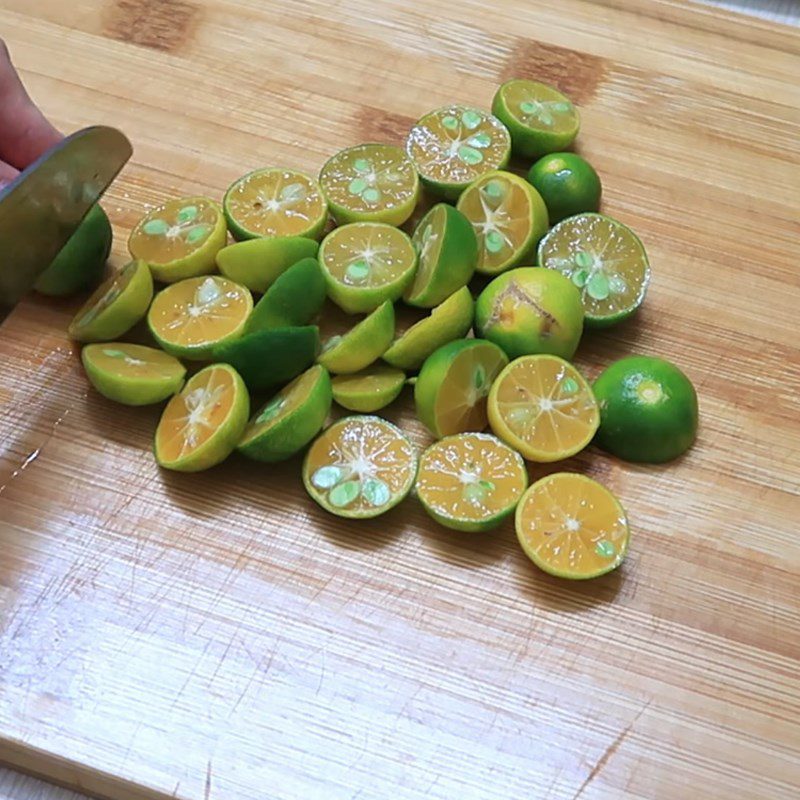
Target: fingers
(24,132)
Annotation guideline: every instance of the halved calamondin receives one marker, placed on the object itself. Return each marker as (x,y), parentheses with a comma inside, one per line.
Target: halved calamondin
(180,239)
(453,146)
(360,467)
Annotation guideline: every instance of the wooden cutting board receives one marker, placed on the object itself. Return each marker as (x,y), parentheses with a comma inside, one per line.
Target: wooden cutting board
(218,636)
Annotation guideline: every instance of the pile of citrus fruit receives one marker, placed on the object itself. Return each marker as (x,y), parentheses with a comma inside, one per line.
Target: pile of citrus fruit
(245,313)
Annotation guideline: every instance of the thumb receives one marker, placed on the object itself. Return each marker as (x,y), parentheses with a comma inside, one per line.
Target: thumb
(24,132)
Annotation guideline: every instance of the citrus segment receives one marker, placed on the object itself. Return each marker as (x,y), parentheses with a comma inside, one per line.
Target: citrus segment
(540,119)
(543,407)
(132,373)
(471,481)
(81,261)
(362,344)
(648,410)
(275,202)
(453,384)
(509,217)
(448,321)
(189,317)
(115,306)
(365,264)
(295,298)
(369,390)
(528,311)
(370,183)
(453,146)
(269,358)
(290,420)
(202,424)
(257,263)
(180,239)
(604,259)
(572,527)
(447,255)
(360,467)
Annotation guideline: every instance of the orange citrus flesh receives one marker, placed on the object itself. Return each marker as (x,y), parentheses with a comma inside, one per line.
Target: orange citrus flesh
(276,202)
(572,527)
(542,406)
(175,230)
(197,311)
(456,144)
(501,214)
(538,105)
(471,478)
(361,466)
(194,415)
(461,406)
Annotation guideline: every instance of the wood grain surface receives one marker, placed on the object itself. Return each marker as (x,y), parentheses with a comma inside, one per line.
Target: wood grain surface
(216,636)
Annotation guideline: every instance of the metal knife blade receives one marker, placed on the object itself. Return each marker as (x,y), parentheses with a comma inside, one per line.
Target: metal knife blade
(44,205)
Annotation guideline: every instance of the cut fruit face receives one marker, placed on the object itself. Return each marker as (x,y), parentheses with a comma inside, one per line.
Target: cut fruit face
(115,306)
(202,425)
(290,420)
(449,321)
(275,202)
(470,482)
(453,384)
(180,239)
(370,182)
(365,264)
(509,217)
(572,527)
(604,259)
(541,119)
(188,318)
(132,373)
(453,146)
(544,408)
(360,467)
(369,390)
(447,256)
(362,344)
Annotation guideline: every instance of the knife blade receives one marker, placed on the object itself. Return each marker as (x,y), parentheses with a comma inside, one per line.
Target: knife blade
(44,205)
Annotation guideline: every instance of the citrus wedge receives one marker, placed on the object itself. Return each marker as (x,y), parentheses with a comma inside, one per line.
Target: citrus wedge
(540,119)
(509,217)
(290,420)
(180,239)
(471,481)
(132,374)
(369,390)
(365,264)
(257,263)
(202,425)
(362,344)
(447,256)
(275,202)
(115,306)
(605,260)
(189,317)
(266,359)
(295,298)
(360,467)
(453,146)
(448,321)
(453,384)
(543,407)
(572,527)
(370,183)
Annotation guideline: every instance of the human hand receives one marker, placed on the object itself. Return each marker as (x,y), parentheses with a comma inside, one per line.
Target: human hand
(24,132)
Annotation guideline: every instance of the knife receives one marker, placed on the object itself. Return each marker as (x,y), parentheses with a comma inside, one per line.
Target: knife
(44,205)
